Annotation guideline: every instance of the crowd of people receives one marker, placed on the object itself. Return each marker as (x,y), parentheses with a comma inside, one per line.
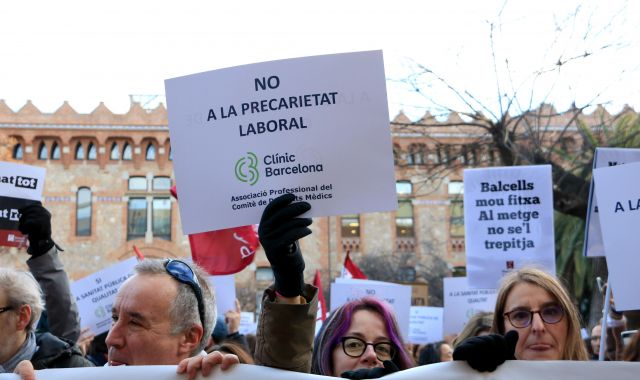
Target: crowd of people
(169,305)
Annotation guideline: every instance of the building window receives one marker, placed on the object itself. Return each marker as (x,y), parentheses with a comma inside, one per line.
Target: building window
(151,153)
(83,212)
(404,188)
(416,154)
(17,152)
(161,215)
(79,152)
(404,219)
(161,183)
(137,218)
(149,208)
(264,274)
(55,151)
(350,225)
(170,154)
(91,152)
(138,183)
(126,152)
(115,152)
(42,151)
(407,274)
(396,154)
(456,209)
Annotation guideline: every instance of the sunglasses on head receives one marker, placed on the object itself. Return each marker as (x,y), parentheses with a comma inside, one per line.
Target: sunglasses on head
(183,273)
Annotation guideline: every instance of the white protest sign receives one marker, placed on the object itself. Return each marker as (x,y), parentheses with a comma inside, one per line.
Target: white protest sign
(247,323)
(20,186)
(508,220)
(619,210)
(96,293)
(456,370)
(462,302)
(603,157)
(425,324)
(242,136)
(398,296)
(225,290)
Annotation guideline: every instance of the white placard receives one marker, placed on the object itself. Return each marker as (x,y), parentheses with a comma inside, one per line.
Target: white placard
(603,157)
(456,370)
(247,323)
(225,289)
(462,302)
(96,293)
(398,296)
(317,127)
(425,324)
(20,185)
(508,220)
(619,210)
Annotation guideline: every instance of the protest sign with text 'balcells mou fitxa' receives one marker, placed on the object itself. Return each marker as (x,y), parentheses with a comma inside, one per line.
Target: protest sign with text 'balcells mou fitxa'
(508,220)
(317,127)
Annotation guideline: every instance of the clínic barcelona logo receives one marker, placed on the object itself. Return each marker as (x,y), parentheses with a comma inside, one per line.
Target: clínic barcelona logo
(247,169)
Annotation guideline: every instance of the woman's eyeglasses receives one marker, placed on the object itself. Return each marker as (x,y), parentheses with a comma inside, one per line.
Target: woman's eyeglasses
(183,273)
(355,347)
(550,314)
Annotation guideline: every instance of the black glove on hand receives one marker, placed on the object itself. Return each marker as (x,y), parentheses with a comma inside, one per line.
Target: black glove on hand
(279,231)
(371,373)
(486,353)
(35,222)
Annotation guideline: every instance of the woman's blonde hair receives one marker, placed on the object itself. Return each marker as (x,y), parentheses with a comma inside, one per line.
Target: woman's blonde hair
(574,348)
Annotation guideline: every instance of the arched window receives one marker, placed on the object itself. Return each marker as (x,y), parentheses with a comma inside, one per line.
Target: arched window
(42,151)
(115,152)
(151,152)
(170,154)
(91,152)
(83,212)
(17,152)
(126,152)
(79,152)
(55,151)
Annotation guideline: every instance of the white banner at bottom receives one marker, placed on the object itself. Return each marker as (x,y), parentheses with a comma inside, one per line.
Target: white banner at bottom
(524,370)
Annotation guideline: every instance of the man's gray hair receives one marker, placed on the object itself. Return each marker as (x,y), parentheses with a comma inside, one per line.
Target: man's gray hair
(22,289)
(184,309)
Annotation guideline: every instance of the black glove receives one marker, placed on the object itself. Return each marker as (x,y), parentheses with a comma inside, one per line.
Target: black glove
(279,231)
(371,373)
(486,353)
(35,222)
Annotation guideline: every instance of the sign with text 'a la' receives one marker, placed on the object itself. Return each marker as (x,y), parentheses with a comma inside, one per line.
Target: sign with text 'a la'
(619,210)
(317,127)
(603,157)
(396,295)
(96,293)
(462,302)
(508,220)
(20,186)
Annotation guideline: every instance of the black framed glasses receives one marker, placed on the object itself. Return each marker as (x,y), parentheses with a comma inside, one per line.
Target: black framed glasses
(6,308)
(183,273)
(521,318)
(355,347)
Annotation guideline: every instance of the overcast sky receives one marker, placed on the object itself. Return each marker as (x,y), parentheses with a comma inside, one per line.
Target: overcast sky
(91,51)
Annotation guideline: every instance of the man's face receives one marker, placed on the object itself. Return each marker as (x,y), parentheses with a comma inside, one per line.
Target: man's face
(595,338)
(9,333)
(141,329)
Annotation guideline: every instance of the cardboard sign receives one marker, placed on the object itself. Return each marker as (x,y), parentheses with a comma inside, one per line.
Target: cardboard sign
(619,210)
(508,220)
(242,136)
(225,291)
(456,370)
(20,186)
(603,157)
(425,324)
(398,296)
(462,302)
(96,293)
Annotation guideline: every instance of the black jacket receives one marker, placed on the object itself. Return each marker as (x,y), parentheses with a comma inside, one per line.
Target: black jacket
(54,352)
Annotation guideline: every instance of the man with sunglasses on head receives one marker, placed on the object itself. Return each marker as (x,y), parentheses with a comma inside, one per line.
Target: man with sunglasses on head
(163,315)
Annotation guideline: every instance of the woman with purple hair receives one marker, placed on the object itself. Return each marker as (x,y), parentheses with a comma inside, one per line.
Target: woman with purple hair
(360,339)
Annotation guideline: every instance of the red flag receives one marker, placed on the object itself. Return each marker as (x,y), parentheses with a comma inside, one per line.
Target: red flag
(138,253)
(351,270)
(322,305)
(223,251)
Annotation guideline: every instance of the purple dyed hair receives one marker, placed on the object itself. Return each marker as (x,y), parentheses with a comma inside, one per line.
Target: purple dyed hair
(334,328)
